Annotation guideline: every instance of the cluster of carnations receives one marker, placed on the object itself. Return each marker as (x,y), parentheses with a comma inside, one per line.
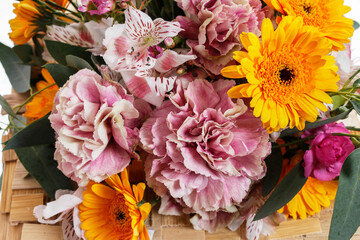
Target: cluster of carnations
(126,87)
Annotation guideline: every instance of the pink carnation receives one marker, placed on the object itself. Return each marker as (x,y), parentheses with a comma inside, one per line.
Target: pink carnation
(93,120)
(206,151)
(327,152)
(212,28)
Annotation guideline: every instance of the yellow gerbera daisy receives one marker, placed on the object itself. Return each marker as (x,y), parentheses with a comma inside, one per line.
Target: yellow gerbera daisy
(113,213)
(314,195)
(325,15)
(42,103)
(287,73)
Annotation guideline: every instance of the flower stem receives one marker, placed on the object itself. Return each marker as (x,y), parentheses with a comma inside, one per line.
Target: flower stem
(351,78)
(60,7)
(31,96)
(293,142)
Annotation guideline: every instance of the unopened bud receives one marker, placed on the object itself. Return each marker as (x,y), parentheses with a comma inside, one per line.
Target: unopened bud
(123,5)
(180,70)
(169,42)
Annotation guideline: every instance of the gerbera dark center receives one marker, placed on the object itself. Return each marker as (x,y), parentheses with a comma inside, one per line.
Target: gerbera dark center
(307,8)
(120,215)
(286,75)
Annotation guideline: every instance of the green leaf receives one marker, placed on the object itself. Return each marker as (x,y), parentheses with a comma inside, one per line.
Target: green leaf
(59,51)
(356,83)
(274,167)
(76,62)
(356,25)
(338,101)
(24,52)
(316,124)
(60,73)
(356,106)
(18,73)
(4,104)
(345,220)
(17,124)
(284,192)
(39,162)
(37,133)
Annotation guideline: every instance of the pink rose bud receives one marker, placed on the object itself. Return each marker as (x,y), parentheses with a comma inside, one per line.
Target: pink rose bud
(169,42)
(327,152)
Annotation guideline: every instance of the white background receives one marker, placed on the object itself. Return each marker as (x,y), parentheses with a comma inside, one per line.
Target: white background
(6,14)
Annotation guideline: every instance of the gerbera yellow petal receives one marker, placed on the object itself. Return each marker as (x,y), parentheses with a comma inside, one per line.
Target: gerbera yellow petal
(267,30)
(238,91)
(238,55)
(233,71)
(103,191)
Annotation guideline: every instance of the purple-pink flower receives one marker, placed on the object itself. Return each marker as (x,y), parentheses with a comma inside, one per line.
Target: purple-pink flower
(327,152)
(97,7)
(94,124)
(205,150)
(212,28)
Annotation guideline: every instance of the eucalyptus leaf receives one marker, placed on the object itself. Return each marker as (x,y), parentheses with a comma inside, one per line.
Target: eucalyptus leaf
(356,106)
(59,51)
(17,124)
(78,63)
(37,133)
(345,220)
(316,124)
(60,73)
(356,82)
(274,167)
(284,192)
(17,72)
(39,162)
(24,52)
(5,105)
(356,25)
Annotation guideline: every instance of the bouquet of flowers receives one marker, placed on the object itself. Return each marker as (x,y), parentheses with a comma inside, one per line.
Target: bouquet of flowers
(225,110)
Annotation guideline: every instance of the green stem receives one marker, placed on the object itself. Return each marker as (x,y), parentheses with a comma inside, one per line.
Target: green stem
(346,135)
(31,96)
(351,78)
(155,201)
(60,7)
(294,142)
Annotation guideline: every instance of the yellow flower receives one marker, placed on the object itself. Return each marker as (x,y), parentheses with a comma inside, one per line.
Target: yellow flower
(42,103)
(287,73)
(314,195)
(22,26)
(112,213)
(325,15)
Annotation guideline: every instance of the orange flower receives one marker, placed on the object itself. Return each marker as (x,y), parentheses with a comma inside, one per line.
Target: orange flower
(28,18)
(22,26)
(114,212)
(42,102)
(314,195)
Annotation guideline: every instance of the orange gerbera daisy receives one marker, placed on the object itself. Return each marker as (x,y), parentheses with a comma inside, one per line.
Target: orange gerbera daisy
(325,15)
(287,73)
(22,26)
(28,19)
(42,103)
(314,195)
(113,213)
